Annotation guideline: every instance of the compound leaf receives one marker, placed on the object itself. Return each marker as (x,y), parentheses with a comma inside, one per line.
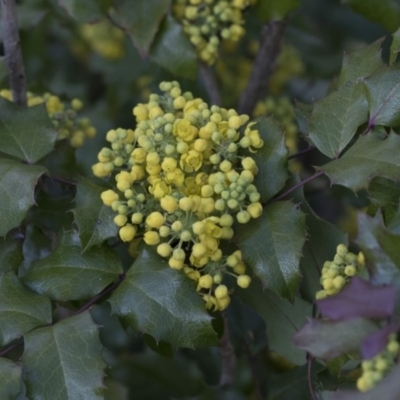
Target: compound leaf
(163,303)
(64,361)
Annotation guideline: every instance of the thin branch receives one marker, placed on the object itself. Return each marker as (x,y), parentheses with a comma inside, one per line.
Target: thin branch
(302,152)
(11,348)
(310,386)
(295,187)
(106,291)
(61,180)
(254,372)
(228,357)
(12,49)
(264,66)
(210,83)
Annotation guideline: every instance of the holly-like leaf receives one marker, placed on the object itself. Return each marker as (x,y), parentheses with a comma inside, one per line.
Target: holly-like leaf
(83,11)
(383,12)
(336,118)
(394,47)
(25,133)
(17,184)
(172,50)
(20,309)
(388,389)
(283,319)
(10,254)
(383,94)
(329,339)
(271,245)
(66,274)
(359,299)
(367,158)
(10,379)
(94,219)
(64,361)
(268,10)
(141,19)
(163,303)
(271,159)
(361,64)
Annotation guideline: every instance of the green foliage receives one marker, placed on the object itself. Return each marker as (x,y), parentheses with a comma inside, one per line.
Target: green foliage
(83,11)
(270,10)
(10,376)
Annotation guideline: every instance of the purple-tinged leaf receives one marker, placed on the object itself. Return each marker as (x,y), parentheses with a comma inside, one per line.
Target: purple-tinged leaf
(359,299)
(387,389)
(328,339)
(375,343)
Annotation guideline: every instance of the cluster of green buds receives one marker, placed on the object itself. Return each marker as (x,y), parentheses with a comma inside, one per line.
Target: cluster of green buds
(337,273)
(208,22)
(375,369)
(182,177)
(64,117)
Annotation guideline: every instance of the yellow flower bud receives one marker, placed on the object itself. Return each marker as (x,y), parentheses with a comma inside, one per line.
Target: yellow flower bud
(169,164)
(164,249)
(200,145)
(99,170)
(198,227)
(199,250)
(108,197)
(120,220)
(206,281)
(127,233)
(151,238)
(155,220)
(235,122)
(175,264)
(186,204)
(169,204)
(255,210)
(243,281)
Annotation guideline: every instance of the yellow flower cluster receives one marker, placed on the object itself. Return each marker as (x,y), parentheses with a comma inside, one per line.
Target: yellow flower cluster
(336,273)
(64,118)
(182,178)
(375,369)
(206,22)
(104,39)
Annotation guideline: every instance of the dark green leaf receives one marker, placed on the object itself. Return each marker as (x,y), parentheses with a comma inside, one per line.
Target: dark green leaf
(361,64)
(10,379)
(172,50)
(271,246)
(283,319)
(25,133)
(268,10)
(162,302)
(394,47)
(3,69)
(66,274)
(10,254)
(20,309)
(367,158)
(17,184)
(327,339)
(383,94)
(64,361)
(141,19)
(383,12)
(95,220)
(82,11)
(336,118)
(384,192)
(271,159)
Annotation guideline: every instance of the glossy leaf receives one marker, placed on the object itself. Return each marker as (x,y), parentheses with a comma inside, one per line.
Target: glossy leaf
(162,302)
(83,11)
(64,361)
(269,10)
(10,378)
(361,64)
(367,158)
(25,133)
(271,246)
(336,118)
(10,254)
(271,159)
(66,274)
(141,19)
(383,94)
(17,185)
(20,309)
(329,339)
(172,50)
(394,47)
(282,318)
(383,12)
(95,220)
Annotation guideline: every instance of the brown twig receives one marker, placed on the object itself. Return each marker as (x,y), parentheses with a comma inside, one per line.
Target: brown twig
(264,66)
(302,152)
(11,348)
(228,357)
(12,49)
(210,83)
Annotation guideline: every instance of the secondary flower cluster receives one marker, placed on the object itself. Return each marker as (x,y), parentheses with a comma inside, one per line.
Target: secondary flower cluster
(375,369)
(182,178)
(207,22)
(63,117)
(336,273)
